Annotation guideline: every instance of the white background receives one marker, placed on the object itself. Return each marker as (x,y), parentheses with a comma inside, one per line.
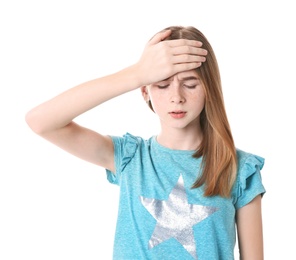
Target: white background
(55,206)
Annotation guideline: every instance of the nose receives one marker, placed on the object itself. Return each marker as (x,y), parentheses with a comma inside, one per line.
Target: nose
(177,94)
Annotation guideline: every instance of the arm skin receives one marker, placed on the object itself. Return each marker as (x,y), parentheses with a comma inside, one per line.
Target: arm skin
(53,119)
(250,231)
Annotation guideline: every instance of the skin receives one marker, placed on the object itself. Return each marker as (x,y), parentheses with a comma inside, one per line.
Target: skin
(178,102)
(250,231)
(165,74)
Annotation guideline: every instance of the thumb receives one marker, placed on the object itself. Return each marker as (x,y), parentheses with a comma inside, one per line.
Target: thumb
(159,37)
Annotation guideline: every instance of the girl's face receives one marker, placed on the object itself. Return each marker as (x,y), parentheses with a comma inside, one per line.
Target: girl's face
(178,101)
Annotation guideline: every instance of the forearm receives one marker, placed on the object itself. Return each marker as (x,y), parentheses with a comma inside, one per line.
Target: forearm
(160,60)
(62,109)
(250,231)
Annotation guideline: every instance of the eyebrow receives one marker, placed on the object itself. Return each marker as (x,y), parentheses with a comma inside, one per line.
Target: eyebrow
(190,78)
(184,78)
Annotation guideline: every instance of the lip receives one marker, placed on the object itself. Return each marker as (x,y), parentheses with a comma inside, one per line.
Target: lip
(177,114)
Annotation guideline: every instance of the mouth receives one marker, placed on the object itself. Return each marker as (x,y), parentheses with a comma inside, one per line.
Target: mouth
(177,114)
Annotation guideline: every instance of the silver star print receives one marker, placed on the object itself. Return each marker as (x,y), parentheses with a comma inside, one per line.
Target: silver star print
(176,218)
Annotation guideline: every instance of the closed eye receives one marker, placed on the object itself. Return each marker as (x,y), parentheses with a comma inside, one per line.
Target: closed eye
(163,86)
(190,86)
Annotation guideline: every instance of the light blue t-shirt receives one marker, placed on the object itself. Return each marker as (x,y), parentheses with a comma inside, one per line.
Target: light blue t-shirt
(161,217)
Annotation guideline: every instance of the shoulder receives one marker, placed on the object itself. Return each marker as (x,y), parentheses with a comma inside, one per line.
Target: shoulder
(248,164)
(249,181)
(129,139)
(128,146)
(247,159)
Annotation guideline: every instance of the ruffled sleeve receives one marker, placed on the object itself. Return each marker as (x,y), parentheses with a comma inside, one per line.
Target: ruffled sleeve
(249,181)
(124,150)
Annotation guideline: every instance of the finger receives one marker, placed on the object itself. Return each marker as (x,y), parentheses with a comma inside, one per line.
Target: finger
(186,66)
(179,59)
(184,42)
(159,37)
(180,50)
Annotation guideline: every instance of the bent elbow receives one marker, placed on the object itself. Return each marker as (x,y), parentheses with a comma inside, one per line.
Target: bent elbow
(34,122)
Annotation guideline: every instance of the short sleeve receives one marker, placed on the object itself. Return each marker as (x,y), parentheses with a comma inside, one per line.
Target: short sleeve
(124,150)
(249,181)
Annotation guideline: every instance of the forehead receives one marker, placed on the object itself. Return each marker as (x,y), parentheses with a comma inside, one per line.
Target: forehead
(190,74)
(184,75)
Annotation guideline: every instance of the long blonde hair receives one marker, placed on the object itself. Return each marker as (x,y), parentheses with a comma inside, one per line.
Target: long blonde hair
(217,149)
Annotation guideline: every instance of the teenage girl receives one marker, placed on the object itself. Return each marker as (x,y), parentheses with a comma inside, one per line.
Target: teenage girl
(185,192)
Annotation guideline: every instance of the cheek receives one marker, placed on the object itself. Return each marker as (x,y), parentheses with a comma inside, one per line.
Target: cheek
(199,101)
(200,95)
(156,97)
(157,106)
(158,103)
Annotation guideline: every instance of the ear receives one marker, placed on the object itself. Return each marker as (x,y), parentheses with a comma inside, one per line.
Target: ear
(145,94)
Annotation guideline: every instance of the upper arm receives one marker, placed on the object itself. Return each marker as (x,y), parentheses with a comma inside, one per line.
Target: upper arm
(250,231)
(85,144)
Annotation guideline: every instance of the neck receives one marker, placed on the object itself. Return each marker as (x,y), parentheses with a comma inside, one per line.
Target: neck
(180,140)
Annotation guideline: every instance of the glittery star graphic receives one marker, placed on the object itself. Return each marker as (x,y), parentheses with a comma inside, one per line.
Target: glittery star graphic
(176,217)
